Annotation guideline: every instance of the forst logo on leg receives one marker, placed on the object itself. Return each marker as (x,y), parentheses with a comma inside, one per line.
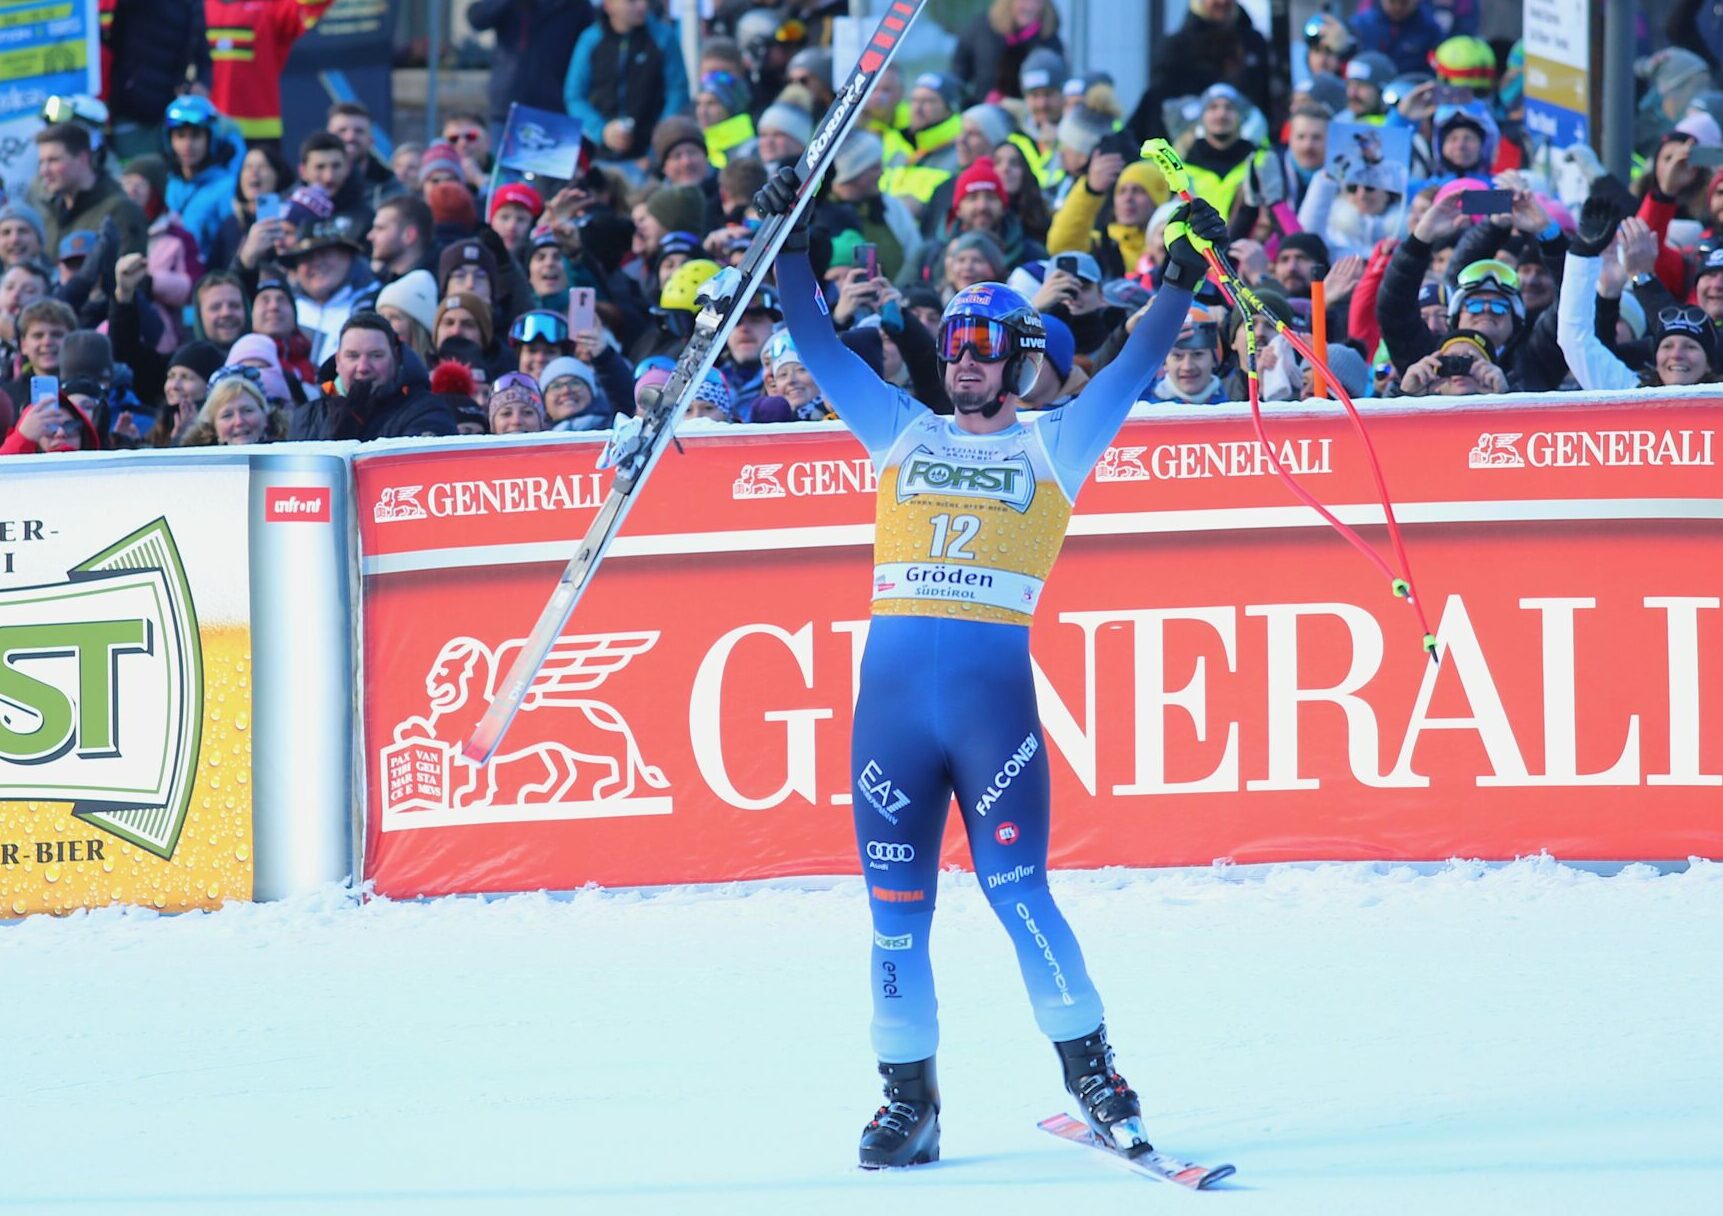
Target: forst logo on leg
(101,692)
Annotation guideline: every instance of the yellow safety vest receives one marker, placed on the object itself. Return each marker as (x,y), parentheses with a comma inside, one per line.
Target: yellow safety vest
(1216,190)
(1040,163)
(913,179)
(734,131)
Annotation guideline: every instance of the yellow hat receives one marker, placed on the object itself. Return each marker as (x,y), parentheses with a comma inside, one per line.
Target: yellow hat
(1144,174)
(681,291)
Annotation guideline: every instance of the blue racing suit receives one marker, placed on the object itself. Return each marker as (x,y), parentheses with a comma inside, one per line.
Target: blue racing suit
(967,527)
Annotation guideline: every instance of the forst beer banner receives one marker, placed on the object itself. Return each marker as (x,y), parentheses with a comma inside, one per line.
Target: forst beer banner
(1219,675)
(125,693)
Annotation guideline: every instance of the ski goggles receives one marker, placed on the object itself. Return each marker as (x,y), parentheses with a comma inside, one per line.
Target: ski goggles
(1495,306)
(1684,319)
(988,341)
(1204,336)
(237,371)
(1490,272)
(539,327)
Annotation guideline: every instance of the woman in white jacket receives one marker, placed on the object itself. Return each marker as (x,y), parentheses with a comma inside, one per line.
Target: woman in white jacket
(1684,340)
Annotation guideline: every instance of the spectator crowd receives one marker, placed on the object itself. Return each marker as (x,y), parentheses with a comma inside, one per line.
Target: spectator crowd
(188,280)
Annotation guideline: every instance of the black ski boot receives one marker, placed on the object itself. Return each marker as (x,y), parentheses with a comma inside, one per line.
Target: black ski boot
(905,1131)
(1109,1105)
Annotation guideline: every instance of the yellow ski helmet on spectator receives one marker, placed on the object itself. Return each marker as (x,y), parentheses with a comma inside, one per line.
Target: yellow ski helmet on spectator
(682,288)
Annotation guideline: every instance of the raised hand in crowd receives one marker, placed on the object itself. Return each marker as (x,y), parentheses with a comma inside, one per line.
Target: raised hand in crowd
(1638,247)
(1528,214)
(1059,287)
(262,240)
(1104,170)
(1343,277)
(1250,259)
(1441,220)
(857,294)
(129,274)
(1675,171)
(1599,219)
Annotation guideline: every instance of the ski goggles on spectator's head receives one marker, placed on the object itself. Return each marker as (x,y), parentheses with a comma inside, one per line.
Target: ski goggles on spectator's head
(1684,319)
(539,327)
(1490,272)
(1202,336)
(239,371)
(988,341)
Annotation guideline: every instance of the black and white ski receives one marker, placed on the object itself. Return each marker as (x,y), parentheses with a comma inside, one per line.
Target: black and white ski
(1151,1163)
(635,447)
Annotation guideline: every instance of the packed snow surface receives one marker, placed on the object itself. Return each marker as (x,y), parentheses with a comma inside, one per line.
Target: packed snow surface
(1524,1039)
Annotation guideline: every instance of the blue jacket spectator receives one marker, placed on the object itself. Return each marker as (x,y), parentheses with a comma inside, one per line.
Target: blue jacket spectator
(1404,30)
(626,74)
(205,153)
(535,39)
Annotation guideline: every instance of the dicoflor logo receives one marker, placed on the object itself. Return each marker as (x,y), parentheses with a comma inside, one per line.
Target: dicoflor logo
(297,504)
(101,680)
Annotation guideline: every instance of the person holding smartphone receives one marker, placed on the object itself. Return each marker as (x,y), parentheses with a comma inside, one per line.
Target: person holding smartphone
(52,422)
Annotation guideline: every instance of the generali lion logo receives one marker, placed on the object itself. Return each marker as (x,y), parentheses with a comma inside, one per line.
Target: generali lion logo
(1496,450)
(758,481)
(1122,464)
(578,757)
(396,503)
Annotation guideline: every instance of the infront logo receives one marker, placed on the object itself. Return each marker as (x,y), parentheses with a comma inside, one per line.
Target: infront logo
(297,504)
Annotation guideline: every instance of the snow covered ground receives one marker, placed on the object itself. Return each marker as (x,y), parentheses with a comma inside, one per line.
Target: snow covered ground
(1530,1039)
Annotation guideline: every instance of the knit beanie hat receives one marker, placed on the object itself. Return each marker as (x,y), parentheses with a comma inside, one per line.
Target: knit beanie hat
(862,153)
(466,253)
(441,157)
(980,176)
(1082,129)
(1307,243)
(568,365)
(518,194)
(17,210)
(1465,62)
(1325,88)
(814,60)
(1043,68)
(452,203)
(992,121)
(986,246)
(198,356)
(949,88)
(789,120)
(86,353)
(308,205)
(1144,174)
(474,306)
(153,169)
(517,388)
(673,132)
(414,293)
(260,346)
(727,90)
(1683,322)
(678,208)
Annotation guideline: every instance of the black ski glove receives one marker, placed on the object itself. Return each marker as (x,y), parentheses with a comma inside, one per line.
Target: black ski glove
(1599,218)
(777,197)
(1186,266)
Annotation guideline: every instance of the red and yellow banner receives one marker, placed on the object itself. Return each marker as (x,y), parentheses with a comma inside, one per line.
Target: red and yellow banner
(1220,675)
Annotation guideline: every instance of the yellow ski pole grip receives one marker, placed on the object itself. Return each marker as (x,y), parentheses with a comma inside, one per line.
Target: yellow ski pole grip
(1172,168)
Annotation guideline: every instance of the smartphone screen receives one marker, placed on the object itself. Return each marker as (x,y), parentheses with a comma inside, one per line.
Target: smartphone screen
(44,388)
(582,315)
(1486,202)
(1706,157)
(269,206)
(867,257)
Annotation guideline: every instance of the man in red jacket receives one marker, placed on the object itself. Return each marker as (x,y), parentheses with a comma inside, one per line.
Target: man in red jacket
(249,41)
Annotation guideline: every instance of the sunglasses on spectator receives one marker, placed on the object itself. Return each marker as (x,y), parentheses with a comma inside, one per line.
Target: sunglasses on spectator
(464,137)
(239,371)
(68,427)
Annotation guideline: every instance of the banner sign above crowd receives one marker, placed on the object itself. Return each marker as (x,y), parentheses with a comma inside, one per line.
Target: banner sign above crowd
(46,49)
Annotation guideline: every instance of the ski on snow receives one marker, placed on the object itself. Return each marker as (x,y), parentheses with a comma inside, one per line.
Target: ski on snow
(635,447)
(1150,1163)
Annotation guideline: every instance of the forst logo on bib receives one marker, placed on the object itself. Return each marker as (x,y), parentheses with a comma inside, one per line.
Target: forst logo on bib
(1011,482)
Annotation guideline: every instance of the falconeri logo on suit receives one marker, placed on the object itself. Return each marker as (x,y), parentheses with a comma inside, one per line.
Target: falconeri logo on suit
(101,691)
(1011,482)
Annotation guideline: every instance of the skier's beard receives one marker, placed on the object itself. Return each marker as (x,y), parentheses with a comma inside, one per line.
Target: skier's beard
(974,402)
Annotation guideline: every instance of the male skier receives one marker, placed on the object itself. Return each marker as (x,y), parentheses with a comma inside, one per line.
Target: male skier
(970,515)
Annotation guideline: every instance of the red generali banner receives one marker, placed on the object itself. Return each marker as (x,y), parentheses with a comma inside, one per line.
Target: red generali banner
(1219,674)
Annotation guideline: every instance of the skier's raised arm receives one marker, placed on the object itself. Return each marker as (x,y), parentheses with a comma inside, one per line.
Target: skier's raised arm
(1078,435)
(872,409)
